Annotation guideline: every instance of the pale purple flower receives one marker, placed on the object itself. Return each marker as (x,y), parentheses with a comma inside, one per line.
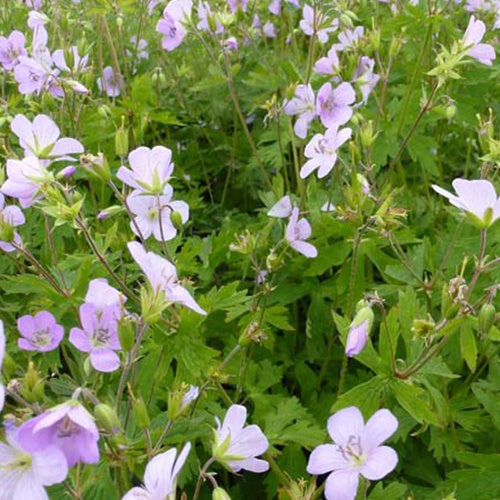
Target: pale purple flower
(36,19)
(24,180)
(275,6)
(297,231)
(41,139)
(356,450)
(40,332)
(24,474)
(482,52)
(170,26)
(313,21)
(79,63)
(328,65)
(282,208)
(269,30)
(231,43)
(365,78)
(356,338)
(322,151)
(479,5)
(11,48)
(138,47)
(69,427)
(151,5)
(476,198)
(32,76)
(160,476)
(234,5)
(349,38)
(162,277)
(102,295)
(190,396)
(99,336)
(67,172)
(34,4)
(150,170)
(10,217)
(333,106)
(153,214)
(302,106)
(2,354)
(204,12)
(109,82)
(237,446)
(328,207)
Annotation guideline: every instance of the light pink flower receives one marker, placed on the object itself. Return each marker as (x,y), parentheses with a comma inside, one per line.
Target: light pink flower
(297,231)
(474,33)
(349,38)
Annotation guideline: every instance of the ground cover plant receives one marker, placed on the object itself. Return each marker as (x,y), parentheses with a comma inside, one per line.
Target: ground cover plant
(249,249)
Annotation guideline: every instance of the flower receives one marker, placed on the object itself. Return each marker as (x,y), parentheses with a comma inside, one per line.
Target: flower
(328,65)
(99,336)
(160,477)
(349,38)
(205,14)
(365,77)
(234,5)
(269,30)
(356,451)
(236,446)
(11,48)
(2,354)
(190,396)
(476,198)
(282,209)
(153,214)
(332,106)
(356,339)
(10,217)
(474,33)
(109,82)
(23,475)
(24,180)
(170,25)
(314,22)
(102,295)
(41,138)
(296,232)
(322,151)
(162,276)
(302,105)
(69,427)
(151,170)
(40,332)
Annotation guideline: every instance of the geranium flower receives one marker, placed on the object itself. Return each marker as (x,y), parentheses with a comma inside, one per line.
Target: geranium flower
(204,13)
(170,26)
(297,231)
(328,65)
(69,427)
(476,198)
(160,477)
(313,21)
(322,151)
(40,332)
(2,354)
(10,217)
(349,38)
(24,180)
(282,208)
(153,214)
(109,82)
(11,48)
(234,5)
(356,450)
(102,295)
(237,446)
(150,170)
(301,105)
(482,52)
(23,475)
(365,77)
(333,106)
(99,336)
(162,276)
(41,139)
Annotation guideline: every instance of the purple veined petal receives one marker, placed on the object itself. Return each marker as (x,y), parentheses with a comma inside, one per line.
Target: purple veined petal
(82,447)
(326,458)
(306,249)
(66,146)
(22,127)
(157,476)
(326,166)
(127,177)
(28,487)
(80,340)
(301,126)
(339,116)
(454,200)
(137,493)
(160,160)
(282,208)
(342,136)
(88,317)
(49,466)
(179,294)
(13,215)
(164,231)
(344,424)
(344,94)
(144,225)
(381,425)
(80,416)
(309,167)
(45,320)
(342,485)
(381,461)
(139,159)
(104,359)
(250,441)
(26,326)
(474,32)
(303,229)
(310,151)
(26,345)
(101,294)
(483,52)
(250,464)
(2,396)
(47,419)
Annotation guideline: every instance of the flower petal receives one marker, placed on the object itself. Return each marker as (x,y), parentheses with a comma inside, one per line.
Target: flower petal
(104,359)
(341,485)
(326,458)
(381,461)
(381,425)
(344,424)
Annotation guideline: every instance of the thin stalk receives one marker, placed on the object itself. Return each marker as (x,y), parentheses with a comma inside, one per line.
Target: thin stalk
(201,477)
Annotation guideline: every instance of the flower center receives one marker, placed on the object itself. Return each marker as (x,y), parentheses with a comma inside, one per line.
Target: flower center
(41,338)
(101,337)
(67,428)
(352,451)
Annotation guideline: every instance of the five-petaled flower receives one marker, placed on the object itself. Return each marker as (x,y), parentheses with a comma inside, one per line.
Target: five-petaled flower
(40,332)
(160,477)
(69,426)
(237,446)
(476,198)
(297,231)
(333,106)
(170,26)
(482,52)
(356,450)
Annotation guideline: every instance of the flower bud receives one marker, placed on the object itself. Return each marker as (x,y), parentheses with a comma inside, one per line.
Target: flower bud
(367,134)
(119,22)
(6,231)
(359,330)
(110,212)
(126,332)
(66,172)
(486,318)
(141,415)
(220,494)
(176,219)
(121,140)
(107,418)
(96,165)
(422,328)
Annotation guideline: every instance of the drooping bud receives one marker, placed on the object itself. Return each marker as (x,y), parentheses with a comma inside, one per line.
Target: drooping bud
(176,219)
(141,415)
(486,318)
(110,212)
(220,494)
(126,332)
(359,330)
(107,418)
(121,140)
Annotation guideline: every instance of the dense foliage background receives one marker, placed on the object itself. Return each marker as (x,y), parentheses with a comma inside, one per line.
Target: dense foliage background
(274,341)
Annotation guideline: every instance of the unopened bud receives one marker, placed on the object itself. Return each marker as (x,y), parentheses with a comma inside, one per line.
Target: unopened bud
(141,415)
(126,332)
(422,328)
(486,318)
(176,219)
(121,140)
(66,172)
(107,418)
(220,494)
(110,212)
(252,333)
